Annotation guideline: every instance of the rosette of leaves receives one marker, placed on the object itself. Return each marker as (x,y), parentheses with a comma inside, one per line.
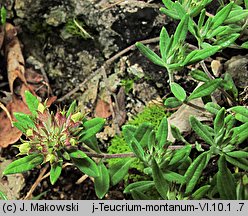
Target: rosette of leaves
(55,138)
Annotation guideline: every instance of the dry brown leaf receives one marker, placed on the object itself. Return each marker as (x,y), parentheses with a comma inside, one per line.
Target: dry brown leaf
(102,109)
(9,134)
(13,53)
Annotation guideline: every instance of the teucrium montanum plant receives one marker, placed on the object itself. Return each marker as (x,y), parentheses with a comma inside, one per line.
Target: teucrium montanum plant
(55,138)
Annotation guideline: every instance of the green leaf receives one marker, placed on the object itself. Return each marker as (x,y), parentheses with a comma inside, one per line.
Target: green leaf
(240,134)
(93,144)
(172,102)
(24,164)
(174,177)
(201,131)
(199,75)
(181,31)
(140,186)
(180,154)
(201,18)
(241,113)
(102,181)
(194,172)
(212,107)
(151,141)
(229,85)
(161,183)
(32,103)
(198,55)
(238,154)
(169,4)
(162,133)
(163,43)
(242,163)
(225,181)
(235,16)
(3,15)
(137,195)
(227,40)
(24,122)
(201,192)
(221,16)
(84,163)
(178,91)
(219,121)
(142,133)
(120,169)
(3,196)
(137,149)
(245,45)
(55,172)
(92,127)
(176,133)
(152,56)
(71,109)
(205,89)
(170,13)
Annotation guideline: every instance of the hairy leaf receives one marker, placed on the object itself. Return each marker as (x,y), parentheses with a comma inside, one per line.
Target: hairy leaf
(24,164)
(225,181)
(162,133)
(102,181)
(178,91)
(55,172)
(172,102)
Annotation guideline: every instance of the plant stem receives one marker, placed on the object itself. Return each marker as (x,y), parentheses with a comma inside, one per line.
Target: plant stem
(38,180)
(195,106)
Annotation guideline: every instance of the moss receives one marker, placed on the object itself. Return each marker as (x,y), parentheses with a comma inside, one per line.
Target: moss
(153,114)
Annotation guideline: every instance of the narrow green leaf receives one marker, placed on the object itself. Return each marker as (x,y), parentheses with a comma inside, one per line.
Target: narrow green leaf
(227,40)
(24,122)
(161,183)
(174,177)
(162,133)
(235,16)
(151,141)
(137,149)
(225,181)
(77,154)
(242,163)
(84,163)
(172,102)
(142,133)
(201,131)
(71,109)
(24,164)
(212,107)
(229,85)
(93,144)
(176,133)
(199,75)
(238,154)
(102,181)
(119,170)
(241,113)
(245,45)
(140,186)
(219,121)
(137,195)
(169,4)
(181,31)
(163,43)
(152,56)
(194,172)
(32,103)
(198,55)
(221,16)
(240,134)
(178,91)
(202,18)
(3,196)
(180,154)
(3,15)
(92,127)
(55,172)
(201,192)
(205,89)
(170,13)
